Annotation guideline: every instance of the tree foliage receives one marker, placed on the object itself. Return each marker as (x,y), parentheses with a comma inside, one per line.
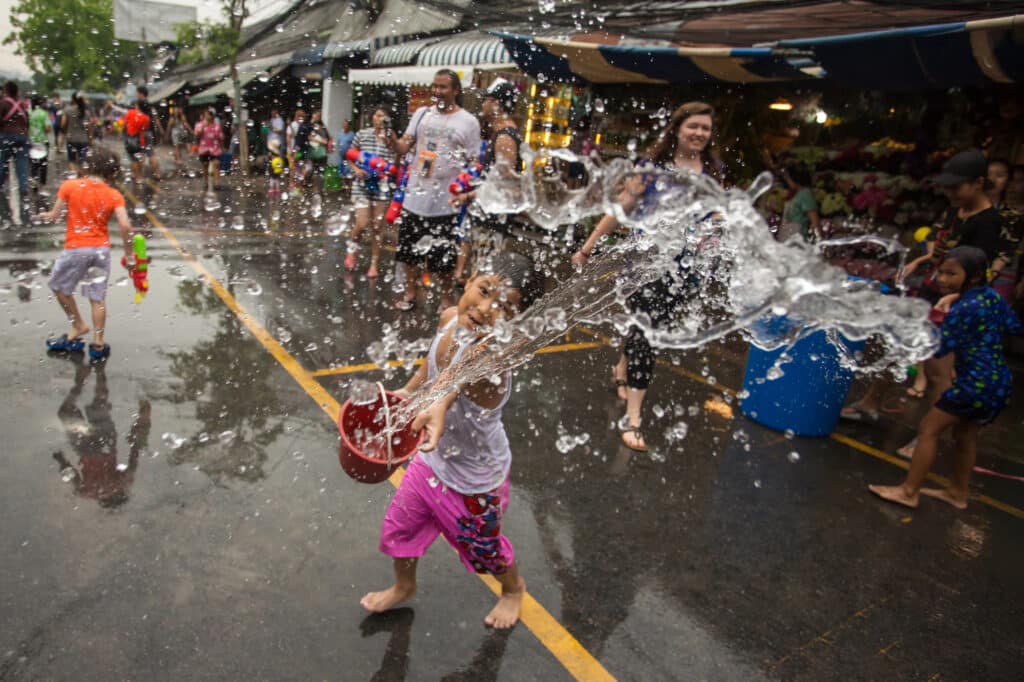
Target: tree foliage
(205,41)
(70,43)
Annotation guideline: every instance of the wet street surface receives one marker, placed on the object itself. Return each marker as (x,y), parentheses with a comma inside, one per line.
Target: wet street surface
(180,513)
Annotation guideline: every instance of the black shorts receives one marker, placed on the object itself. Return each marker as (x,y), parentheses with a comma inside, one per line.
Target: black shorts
(135,152)
(982,414)
(429,240)
(207,158)
(77,151)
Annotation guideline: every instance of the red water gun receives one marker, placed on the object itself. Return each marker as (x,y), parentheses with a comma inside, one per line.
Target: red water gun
(398,198)
(371,163)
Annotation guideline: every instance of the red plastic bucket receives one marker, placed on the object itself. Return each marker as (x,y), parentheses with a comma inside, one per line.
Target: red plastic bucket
(357,425)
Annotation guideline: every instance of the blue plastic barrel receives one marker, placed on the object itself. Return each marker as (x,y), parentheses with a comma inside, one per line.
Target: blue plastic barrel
(810,394)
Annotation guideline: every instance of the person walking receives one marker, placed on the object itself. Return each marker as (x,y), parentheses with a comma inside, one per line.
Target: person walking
(685,145)
(211,146)
(154,132)
(371,192)
(443,139)
(74,121)
(14,143)
(39,128)
(181,133)
(501,156)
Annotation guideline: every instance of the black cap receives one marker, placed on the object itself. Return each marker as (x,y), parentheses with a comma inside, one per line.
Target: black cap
(963,167)
(504,92)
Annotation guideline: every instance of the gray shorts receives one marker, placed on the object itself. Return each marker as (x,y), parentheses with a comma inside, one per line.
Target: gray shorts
(89,265)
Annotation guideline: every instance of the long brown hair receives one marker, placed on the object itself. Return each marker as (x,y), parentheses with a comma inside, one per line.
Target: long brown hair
(664,148)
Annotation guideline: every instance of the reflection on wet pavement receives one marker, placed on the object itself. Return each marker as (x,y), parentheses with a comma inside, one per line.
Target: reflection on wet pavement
(225,541)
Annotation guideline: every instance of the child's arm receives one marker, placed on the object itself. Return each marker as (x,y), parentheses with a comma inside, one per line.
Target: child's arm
(54,213)
(125,227)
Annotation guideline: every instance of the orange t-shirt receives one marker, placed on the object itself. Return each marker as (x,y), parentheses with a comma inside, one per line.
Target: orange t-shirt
(90,204)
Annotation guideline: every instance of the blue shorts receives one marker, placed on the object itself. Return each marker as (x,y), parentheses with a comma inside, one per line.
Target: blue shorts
(89,265)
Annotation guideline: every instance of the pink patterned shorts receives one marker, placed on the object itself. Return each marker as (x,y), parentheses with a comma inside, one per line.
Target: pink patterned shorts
(424,508)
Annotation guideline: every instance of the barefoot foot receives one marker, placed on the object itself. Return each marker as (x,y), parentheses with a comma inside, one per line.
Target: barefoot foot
(895,493)
(505,613)
(77,332)
(946,495)
(378,602)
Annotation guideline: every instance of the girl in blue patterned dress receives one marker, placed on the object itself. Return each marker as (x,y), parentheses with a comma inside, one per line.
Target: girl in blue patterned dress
(973,332)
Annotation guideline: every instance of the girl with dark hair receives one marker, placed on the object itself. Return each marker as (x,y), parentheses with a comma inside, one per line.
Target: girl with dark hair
(684,145)
(14,143)
(973,333)
(75,124)
(370,193)
(801,214)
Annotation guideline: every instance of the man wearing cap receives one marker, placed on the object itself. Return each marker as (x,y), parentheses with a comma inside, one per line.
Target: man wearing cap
(970,220)
(501,156)
(442,139)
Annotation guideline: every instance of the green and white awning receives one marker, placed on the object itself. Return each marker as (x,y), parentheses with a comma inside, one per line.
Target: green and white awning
(487,50)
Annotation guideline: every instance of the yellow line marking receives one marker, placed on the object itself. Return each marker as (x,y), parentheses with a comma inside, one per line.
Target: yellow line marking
(579,662)
(836,436)
(371,367)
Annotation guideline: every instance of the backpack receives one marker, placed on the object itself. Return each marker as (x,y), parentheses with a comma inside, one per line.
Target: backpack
(135,125)
(15,109)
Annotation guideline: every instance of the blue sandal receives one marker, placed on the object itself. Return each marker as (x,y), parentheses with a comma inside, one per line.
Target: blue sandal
(97,353)
(65,345)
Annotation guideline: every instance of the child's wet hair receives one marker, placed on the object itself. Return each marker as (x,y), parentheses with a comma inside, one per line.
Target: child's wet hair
(102,161)
(519,270)
(974,261)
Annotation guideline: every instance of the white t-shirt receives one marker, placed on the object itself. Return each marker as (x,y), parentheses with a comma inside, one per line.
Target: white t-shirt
(276,130)
(293,130)
(445,144)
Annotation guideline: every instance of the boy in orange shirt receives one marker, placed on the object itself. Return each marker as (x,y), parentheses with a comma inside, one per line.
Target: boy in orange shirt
(86,258)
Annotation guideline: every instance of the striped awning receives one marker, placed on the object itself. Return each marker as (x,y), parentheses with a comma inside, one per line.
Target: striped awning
(462,52)
(601,62)
(225,87)
(401,55)
(405,75)
(352,48)
(973,53)
(165,89)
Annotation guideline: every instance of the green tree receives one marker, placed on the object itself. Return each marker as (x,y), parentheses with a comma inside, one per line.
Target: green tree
(236,12)
(204,41)
(70,43)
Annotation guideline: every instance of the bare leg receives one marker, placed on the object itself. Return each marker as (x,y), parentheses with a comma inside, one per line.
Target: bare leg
(404,588)
(99,321)
(362,220)
(505,613)
(78,325)
(377,226)
(920,382)
(460,262)
(412,283)
(619,374)
(966,435)
(445,285)
(634,406)
(907,493)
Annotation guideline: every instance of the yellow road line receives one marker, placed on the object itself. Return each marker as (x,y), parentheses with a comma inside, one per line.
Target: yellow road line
(579,662)
(836,436)
(371,367)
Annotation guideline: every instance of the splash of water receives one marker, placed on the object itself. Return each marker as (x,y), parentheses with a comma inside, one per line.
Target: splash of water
(709,250)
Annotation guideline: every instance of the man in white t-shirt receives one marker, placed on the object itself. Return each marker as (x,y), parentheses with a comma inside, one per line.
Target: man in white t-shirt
(276,127)
(442,139)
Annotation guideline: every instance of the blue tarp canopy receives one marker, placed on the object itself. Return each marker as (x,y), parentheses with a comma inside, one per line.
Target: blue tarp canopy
(972,53)
(567,60)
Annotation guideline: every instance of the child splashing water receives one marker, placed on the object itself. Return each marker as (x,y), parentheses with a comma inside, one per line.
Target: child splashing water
(458,483)
(973,332)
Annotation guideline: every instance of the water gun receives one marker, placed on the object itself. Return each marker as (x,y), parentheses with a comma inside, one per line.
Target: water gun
(139,269)
(371,163)
(468,179)
(398,198)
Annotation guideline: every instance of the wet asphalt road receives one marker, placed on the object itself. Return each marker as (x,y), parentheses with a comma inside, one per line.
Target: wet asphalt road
(204,529)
